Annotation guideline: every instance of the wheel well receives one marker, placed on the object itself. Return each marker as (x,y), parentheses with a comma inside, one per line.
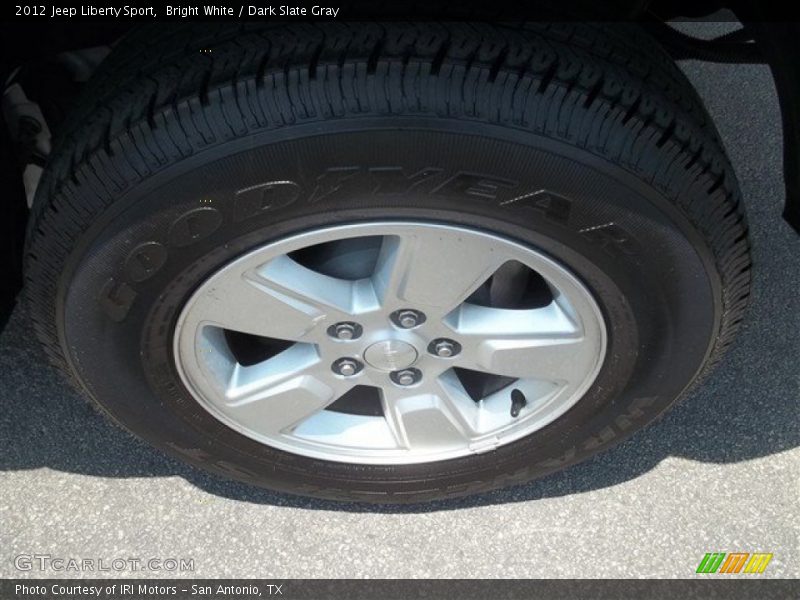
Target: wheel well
(37,44)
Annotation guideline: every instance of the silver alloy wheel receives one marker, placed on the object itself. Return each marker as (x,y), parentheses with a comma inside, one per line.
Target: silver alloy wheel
(545,356)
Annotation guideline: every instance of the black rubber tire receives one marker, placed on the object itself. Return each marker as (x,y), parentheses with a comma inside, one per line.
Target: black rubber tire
(585,141)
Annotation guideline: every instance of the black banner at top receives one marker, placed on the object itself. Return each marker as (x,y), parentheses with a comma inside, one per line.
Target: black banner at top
(354,10)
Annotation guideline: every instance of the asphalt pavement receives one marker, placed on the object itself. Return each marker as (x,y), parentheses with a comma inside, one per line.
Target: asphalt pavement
(720,472)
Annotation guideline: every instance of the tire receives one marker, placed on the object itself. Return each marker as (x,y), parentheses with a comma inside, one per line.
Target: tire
(583,142)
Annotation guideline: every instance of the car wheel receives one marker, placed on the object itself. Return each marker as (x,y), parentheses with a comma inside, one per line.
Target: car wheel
(387,263)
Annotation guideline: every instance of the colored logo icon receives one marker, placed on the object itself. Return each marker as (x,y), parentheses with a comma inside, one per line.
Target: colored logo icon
(734,562)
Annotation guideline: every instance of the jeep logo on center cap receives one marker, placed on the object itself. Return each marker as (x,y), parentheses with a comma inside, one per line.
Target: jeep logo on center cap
(390,355)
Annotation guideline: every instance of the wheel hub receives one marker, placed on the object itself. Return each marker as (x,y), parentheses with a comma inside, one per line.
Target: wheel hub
(390,355)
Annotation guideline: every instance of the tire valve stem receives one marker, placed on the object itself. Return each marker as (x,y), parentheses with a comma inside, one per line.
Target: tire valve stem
(518,402)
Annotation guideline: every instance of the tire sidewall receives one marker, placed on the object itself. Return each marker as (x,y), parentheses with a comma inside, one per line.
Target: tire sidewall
(138,263)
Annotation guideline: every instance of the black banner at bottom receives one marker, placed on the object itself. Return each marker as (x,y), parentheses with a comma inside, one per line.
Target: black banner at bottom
(395,589)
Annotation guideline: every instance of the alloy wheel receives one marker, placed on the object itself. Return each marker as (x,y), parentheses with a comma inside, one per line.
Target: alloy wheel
(390,343)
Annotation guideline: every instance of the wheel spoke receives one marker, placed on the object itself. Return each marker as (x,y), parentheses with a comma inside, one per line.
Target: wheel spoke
(423,421)
(280,392)
(278,408)
(428,269)
(557,360)
(340,297)
(544,343)
(279,300)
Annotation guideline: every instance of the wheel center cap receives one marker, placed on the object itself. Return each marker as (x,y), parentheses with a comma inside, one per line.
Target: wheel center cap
(390,355)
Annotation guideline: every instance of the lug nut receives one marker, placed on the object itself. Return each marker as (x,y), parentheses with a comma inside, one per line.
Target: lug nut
(346,330)
(444,348)
(406,376)
(407,318)
(346,367)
